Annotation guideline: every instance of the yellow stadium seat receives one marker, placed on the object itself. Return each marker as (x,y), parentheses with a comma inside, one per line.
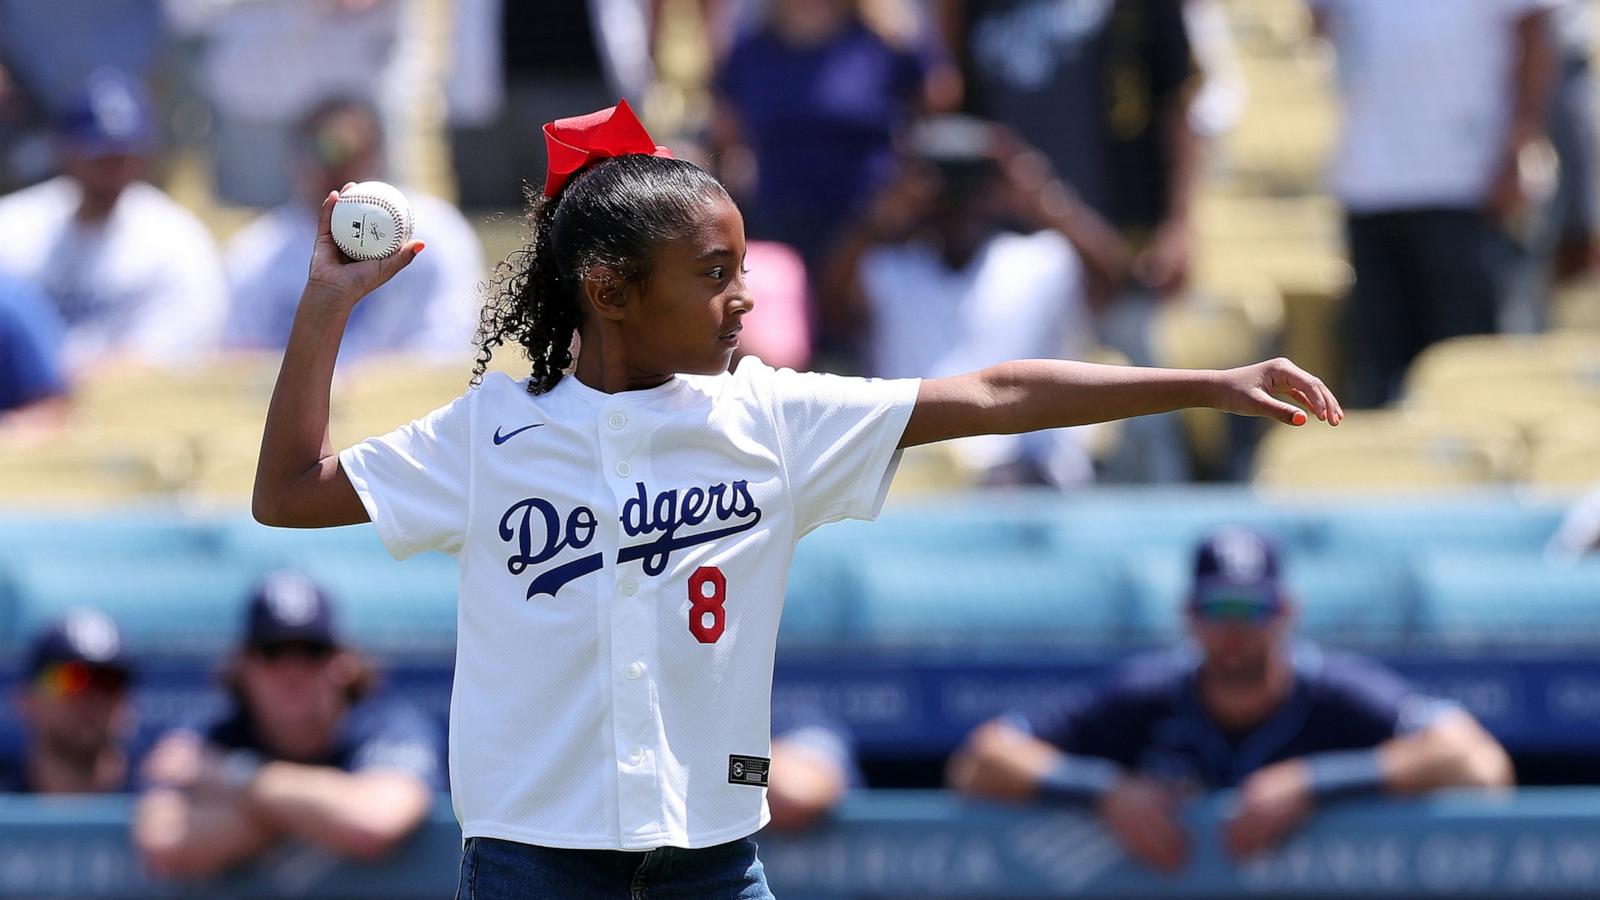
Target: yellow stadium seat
(75,470)
(1576,307)
(1564,465)
(1556,357)
(1387,450)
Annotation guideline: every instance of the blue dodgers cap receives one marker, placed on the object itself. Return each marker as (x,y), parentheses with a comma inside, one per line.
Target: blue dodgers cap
(109,114)
(82,635)
(289,606)
(1236,576)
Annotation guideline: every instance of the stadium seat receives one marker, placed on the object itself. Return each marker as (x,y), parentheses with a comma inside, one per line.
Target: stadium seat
(1388,451)
(83,470)
(1487,600)
(254,544)
(1341,600)
(393,610)
(1445,367)
(128,534)
(1564,453)
(820,594)
(1168,520)
(970,523)
(985,600)
(178,605)
(1393,529)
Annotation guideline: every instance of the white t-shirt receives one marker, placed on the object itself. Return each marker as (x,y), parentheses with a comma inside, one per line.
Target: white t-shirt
(429,309)
(146,283)
(592,707)
(1021,296)
(1428,97)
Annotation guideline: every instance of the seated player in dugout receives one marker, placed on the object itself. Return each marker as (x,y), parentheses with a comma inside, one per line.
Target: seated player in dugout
(1290,726)
(75,712)
(306,750)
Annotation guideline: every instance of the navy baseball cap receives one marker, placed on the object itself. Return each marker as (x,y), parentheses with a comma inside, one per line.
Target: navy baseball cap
(82,635)
(1236,576)
(109,113)
(289,606)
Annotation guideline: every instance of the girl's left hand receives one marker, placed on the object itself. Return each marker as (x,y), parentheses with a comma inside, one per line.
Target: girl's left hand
(1262,390)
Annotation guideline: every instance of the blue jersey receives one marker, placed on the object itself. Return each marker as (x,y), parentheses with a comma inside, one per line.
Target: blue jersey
(375,733)
(1148,718)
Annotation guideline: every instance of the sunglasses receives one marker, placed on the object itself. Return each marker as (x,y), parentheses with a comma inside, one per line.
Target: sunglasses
(1244,609)
(73,677)
(312,651)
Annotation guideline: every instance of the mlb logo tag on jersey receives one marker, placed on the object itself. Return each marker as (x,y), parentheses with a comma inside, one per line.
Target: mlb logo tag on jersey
(750,770)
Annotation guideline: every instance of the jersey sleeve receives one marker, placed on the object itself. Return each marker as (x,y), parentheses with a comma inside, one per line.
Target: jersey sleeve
(839,440)
(397,737)
(415,480)
(1373,704)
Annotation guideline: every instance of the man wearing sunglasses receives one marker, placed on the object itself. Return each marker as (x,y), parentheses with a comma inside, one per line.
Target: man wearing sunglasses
(1246,707)
(305,752)
(75,711)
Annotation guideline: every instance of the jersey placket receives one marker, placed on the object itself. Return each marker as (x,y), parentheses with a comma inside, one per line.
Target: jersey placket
(632,639)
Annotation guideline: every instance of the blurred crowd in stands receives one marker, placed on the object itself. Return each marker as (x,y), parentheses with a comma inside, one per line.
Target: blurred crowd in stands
(929,186)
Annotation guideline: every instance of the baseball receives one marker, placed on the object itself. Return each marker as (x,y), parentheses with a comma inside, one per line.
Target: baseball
(371,220)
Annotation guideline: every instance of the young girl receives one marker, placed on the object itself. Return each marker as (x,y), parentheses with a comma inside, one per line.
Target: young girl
(625,532)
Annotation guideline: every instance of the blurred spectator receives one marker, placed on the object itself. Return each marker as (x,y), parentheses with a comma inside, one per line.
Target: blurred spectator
(553,58)
(431,310)
(1575,215)
(1219,103)
(46,52)
(263,65)
(1562,231)
(966,261)
(813,767)
(808,104)
(781,335)
(305,752)
(1289,726)
(75,711)
(32,380)
(1429,168)
(1105,90)
(134,275)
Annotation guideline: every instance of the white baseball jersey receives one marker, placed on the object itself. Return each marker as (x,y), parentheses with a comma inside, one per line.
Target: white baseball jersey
(623,564)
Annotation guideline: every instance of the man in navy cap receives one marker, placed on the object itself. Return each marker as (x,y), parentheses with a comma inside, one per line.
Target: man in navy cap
(1288,725)
(75,711)
(134,275)
(306,751)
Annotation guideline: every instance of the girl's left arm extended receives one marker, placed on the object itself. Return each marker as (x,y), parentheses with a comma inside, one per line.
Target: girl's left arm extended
(1029,395)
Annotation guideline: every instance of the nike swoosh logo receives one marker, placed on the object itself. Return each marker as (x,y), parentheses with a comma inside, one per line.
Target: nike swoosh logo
(502,438)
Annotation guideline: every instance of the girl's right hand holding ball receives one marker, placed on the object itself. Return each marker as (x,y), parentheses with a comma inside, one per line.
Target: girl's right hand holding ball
(336,278)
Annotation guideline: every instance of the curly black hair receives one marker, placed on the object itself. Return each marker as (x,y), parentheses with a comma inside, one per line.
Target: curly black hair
(613,214)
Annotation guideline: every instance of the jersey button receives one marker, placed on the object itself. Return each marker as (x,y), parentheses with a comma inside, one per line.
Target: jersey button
(623,468)
(635,754)
(634,670)
(630,587)
(617,420)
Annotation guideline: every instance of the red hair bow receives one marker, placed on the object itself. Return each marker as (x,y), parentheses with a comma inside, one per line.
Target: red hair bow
(572,144)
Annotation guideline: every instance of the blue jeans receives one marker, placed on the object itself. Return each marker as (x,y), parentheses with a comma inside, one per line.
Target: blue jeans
(493,869)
